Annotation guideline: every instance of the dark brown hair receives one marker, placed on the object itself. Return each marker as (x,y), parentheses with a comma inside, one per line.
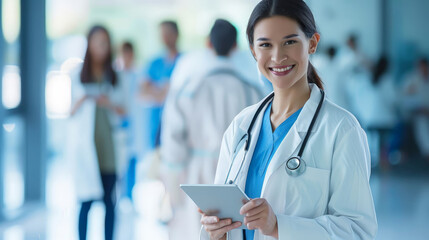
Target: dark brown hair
(127,46)
(86,75)
(293,9)
(171,24)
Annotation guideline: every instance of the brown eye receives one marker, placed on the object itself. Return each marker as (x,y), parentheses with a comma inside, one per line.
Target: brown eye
(265,45)
(290,42)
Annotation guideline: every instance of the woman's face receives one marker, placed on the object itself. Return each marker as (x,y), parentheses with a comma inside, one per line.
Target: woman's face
(282,50)
(99,47)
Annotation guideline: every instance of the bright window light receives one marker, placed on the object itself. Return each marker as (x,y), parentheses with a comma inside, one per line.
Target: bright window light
(14,188)
(58,94)
(11,19)
(9,127)
(13,233)
(11,87)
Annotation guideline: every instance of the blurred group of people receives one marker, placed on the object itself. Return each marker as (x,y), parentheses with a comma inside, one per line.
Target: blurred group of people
(172,114)
(392,111)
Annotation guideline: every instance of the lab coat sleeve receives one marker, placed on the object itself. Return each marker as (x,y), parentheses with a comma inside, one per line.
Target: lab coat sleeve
(77,90)
(119,97)
(225,155)
(350,211)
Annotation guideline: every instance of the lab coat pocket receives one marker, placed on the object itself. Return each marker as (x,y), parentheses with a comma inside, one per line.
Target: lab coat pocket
(307,194)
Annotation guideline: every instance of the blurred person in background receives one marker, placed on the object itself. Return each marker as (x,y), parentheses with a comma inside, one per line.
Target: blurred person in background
(156,83)
(97,103)
(380,113)
(132,118)
(354,71)
(194,122)
(328,63)
(350,55)
(416,103)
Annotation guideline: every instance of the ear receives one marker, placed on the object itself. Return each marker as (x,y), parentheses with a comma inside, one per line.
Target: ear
(209,43)
(314,41)
(253,52)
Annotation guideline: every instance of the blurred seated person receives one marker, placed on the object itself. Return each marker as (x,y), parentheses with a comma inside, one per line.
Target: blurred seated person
(416,104)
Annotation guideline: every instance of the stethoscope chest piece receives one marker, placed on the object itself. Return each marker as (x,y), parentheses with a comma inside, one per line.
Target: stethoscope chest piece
(295,166)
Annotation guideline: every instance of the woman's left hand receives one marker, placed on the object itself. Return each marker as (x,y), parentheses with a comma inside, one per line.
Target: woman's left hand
(259,215)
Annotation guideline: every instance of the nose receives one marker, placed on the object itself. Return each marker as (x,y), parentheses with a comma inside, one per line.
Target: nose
(278,56)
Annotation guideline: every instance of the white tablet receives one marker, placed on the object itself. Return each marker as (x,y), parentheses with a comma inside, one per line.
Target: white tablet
(225,200)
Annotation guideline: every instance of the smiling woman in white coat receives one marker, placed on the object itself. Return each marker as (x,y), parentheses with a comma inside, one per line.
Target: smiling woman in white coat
(303,161)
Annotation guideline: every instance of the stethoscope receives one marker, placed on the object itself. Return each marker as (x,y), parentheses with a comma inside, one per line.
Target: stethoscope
(295,165)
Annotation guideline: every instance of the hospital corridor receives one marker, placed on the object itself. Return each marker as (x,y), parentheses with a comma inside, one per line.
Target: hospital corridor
(107,107)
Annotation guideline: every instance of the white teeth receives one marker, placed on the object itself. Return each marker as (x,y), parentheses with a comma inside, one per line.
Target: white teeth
(282,69)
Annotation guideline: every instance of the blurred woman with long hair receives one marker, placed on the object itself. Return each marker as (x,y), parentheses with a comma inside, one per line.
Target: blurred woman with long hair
(94,108)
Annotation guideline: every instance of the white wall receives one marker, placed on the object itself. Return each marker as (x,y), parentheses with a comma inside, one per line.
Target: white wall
(336,19)
(408,33)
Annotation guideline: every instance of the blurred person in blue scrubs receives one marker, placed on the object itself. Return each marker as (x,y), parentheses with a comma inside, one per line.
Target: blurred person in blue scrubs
(416,103)
(97,108)
(132,118)
(195,120)
(156,83)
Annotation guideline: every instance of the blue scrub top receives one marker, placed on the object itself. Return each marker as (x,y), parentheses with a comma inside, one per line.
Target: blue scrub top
(161,68)
(159,72)
(268,142)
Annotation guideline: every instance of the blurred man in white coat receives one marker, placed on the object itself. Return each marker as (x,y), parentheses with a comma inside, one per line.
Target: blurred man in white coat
(194,123)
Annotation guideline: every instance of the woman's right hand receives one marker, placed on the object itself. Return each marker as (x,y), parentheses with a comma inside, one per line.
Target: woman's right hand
(77,105)
(217,228)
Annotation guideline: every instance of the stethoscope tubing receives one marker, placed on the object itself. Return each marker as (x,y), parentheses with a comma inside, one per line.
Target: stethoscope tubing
(249,130)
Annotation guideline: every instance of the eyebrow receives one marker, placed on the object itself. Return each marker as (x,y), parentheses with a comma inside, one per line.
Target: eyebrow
(286,37)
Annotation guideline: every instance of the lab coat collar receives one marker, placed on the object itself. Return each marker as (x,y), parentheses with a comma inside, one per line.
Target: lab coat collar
(304,119)
(302,122)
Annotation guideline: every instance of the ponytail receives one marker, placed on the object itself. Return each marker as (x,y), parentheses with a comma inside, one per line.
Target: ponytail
(313,77)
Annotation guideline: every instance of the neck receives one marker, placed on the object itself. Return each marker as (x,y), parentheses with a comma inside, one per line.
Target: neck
(288,101)
(128,66)
(172,52)
(97,69)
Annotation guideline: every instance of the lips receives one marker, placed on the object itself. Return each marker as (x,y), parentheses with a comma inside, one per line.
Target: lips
(281,70)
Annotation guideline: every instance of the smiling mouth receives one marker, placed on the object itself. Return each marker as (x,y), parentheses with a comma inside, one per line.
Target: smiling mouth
(281,71)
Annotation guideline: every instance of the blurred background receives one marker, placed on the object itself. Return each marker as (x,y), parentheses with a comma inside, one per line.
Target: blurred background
(372,57)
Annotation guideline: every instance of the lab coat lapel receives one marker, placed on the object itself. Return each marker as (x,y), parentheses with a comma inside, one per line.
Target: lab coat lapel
(241,180)
(289,146)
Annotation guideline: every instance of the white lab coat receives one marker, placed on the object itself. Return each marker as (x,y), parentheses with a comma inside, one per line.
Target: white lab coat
(332,199)
(81,145)
(192,129)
